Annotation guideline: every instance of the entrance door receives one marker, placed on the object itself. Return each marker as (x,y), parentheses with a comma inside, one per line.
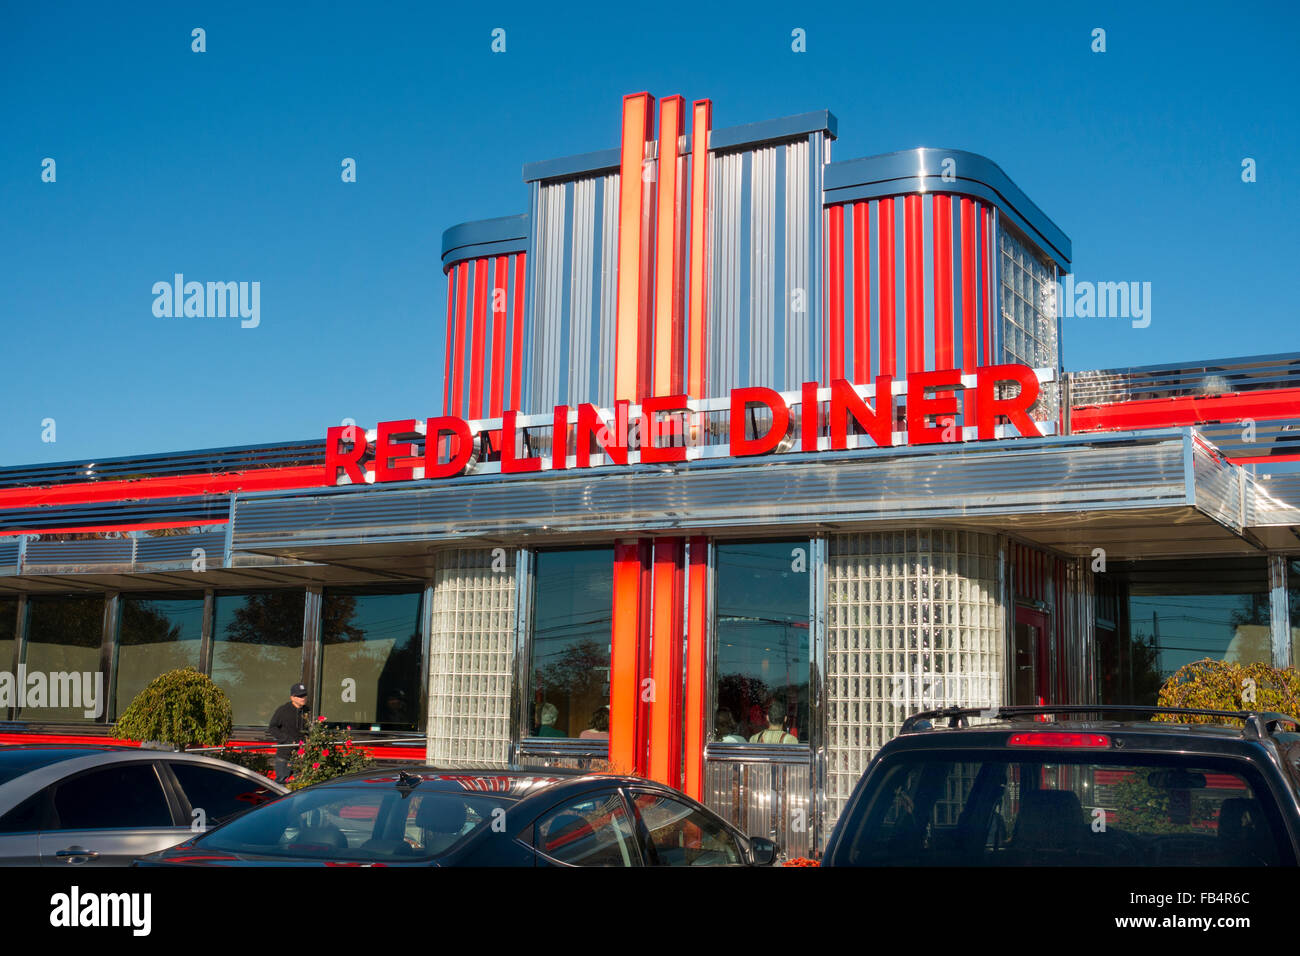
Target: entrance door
(1029,679)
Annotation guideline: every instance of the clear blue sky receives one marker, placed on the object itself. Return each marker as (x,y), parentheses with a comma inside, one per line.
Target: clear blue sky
(225,165)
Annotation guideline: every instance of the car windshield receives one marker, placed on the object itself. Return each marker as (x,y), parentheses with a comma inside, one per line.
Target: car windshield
(1008,809)
(358,824)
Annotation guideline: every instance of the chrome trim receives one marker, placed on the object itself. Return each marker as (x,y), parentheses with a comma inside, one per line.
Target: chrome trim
(312,599)
(426,648)
(109,636)
(817,729)
(1280,611)
(524,580)
(205,635)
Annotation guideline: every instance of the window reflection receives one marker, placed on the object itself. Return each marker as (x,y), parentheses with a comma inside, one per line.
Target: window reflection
(371,658)
(257,650)
(157,634)
(64,635)
(1162,615)
(762,640)
(572,623)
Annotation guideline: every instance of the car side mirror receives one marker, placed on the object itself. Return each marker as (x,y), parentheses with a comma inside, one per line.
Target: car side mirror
(763,851)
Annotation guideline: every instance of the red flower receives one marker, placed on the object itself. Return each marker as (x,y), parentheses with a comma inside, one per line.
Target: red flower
(315,766)
(324,751)
(320,719)
(301,751)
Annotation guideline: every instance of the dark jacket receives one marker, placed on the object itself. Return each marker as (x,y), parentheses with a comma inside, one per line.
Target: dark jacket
(288,723)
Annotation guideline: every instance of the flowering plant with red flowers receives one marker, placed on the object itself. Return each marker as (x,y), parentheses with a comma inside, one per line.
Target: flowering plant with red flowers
(801,861)
(326,753)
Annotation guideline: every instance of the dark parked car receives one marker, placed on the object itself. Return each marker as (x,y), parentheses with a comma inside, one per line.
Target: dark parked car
(480,817)
(104,806)
(1027,788)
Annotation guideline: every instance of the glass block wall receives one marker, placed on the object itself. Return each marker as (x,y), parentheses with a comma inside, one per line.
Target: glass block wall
(914,620)
(471,655)
(1028,303)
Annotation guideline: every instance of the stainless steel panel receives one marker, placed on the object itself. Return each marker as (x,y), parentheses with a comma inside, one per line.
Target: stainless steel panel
(1213,377)
(1218,486)
(763,792)
(577,754)
(1052,475)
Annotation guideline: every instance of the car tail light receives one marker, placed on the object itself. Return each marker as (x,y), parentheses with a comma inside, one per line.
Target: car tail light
(1057,739)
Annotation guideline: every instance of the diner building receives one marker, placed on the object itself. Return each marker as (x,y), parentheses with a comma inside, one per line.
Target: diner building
(744,454)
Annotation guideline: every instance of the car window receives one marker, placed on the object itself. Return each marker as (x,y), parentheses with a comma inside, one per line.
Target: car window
(362,824)
(220,794)
(594,830)
(26,817)
(1027,810)
(122,796)
(680,835)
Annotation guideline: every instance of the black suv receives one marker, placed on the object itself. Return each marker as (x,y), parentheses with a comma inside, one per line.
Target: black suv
(1020,786)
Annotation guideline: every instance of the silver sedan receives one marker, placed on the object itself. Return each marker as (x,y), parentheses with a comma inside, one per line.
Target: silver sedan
(75,806)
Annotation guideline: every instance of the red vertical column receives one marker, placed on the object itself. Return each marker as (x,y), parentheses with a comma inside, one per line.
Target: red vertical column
(668,314)
(914,284)
(627,665)
(986,317)
(835,292)
(701,123)
(969,309)
(666,662)
(497,391)
(943,334)
(861,292)
(458,358)
(479,341)
(631,361)
(888,239)
(697,667)
(450,345)
(517,348)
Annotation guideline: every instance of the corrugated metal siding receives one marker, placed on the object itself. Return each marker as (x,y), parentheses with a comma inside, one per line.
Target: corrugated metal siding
(764,324)
(570,335)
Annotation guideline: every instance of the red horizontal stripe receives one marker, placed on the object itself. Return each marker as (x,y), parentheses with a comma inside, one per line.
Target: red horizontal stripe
(1263,405)
(92,492)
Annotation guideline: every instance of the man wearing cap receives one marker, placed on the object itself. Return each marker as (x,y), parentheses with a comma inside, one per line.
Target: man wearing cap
(288,726)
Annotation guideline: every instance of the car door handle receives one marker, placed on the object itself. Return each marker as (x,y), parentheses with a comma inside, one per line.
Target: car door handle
(72,853)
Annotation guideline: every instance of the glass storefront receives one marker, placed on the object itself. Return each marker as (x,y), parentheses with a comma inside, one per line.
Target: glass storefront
(156,634)
(1171,613)
(371,662)
(8,632)
(257,650)
(64,635)
(762,638)
(573,604)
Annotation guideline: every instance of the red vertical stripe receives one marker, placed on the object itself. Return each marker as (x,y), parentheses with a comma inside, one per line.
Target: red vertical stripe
(517,349)
(943,337)
(861,292)
(697,664)
(498,336)
(450,345)
(702,121)
(969,259)
(458,360)
(888,239)
(479,342)
(626,669)
(835,291)
(914,284)
(986,320)
(666,663)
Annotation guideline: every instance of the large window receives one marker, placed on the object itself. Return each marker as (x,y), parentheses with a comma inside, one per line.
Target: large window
(257,650)
(63,638)
(8,635)
(370,664)
(157,633)
(573,604)
(762,617)
(1171,613)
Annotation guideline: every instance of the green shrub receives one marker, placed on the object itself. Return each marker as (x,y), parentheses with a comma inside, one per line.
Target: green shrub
(326,753)
(182,707)
(1219,685)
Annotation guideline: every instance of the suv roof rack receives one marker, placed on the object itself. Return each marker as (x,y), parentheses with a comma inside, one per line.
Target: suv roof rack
(1259,724)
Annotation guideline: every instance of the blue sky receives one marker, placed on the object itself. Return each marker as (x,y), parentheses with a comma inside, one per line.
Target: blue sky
(225,165)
